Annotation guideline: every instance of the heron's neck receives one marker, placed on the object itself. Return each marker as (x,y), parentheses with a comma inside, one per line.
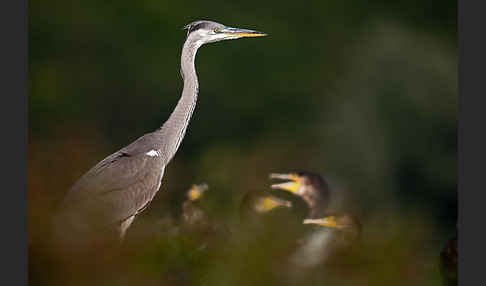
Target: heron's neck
(174,129)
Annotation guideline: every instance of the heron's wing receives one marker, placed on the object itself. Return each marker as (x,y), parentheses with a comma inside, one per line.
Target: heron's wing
(115,189)
(117,171)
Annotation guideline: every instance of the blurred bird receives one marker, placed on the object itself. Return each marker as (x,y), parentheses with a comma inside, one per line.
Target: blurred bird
(187,215)
(310,187)
(268,226)
(197,225)
(105,201)
(255,205)
(191,213)
(333,236)
(334,233)
(448,262)
(326,245)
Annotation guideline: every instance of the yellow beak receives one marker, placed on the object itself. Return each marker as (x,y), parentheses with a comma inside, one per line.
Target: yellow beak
(329,221)
(291,186)
(269,203)
(196,191)
(242,33)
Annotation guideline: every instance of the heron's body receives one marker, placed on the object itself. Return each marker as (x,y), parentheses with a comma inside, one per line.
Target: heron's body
(108,197)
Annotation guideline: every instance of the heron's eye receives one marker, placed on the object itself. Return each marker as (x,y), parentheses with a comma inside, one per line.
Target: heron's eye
(216,30)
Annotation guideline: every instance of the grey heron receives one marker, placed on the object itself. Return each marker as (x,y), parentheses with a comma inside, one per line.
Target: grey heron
(106,199)
(310,187)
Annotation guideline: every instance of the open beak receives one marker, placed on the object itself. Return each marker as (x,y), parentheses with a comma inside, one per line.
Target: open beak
(291,186)
(242,33)
(329,221)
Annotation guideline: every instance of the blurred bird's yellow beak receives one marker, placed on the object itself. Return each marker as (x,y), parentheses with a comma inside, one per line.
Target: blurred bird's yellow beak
(196,191)
(269,203)
(329,221)
(291,186)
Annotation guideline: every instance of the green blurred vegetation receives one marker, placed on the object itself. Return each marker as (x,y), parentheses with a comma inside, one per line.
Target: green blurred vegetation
(364,92)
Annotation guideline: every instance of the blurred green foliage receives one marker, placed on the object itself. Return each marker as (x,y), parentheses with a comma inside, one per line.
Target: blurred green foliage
(364,92)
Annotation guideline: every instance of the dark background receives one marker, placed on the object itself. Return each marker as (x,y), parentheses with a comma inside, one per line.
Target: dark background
(363,92)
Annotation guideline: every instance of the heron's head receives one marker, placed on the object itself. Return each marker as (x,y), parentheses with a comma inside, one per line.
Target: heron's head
(196,191)
(203,32)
